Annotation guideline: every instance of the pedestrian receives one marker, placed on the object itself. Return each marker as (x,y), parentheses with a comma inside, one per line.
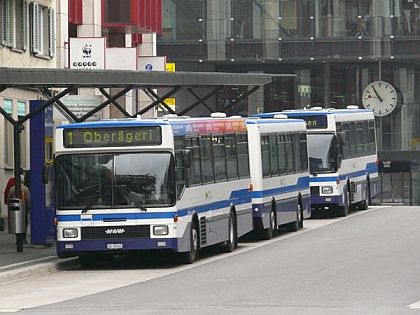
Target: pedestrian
(26,204)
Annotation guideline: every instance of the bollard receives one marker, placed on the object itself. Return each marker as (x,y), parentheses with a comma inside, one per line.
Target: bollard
(16,219)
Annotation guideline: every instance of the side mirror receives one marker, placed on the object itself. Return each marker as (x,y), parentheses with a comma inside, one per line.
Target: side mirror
(187,158)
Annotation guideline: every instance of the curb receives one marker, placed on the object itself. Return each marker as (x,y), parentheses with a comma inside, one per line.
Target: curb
(37,270)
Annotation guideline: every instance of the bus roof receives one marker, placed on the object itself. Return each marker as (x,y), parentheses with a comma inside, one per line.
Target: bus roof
(314,112)
(180,126)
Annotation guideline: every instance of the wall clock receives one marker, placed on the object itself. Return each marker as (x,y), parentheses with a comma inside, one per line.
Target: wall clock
(380,97)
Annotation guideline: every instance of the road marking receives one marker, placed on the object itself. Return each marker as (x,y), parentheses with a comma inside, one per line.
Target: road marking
(414,305)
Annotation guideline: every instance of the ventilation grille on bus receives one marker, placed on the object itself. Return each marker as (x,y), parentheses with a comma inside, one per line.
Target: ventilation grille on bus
(203,231)
(115,232)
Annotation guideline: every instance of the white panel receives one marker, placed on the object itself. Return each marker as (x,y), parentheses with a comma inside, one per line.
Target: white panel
(121,58)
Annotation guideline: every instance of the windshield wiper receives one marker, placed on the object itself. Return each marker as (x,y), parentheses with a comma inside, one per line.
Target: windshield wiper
(140,206)
(88,206)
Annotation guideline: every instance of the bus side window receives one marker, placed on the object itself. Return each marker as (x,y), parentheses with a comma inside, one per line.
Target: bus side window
(352,139)
(359,138)
(289,154)
(366,137)
(219,158)
(274,159)
(242,143)
(372,141)
(281,149)
(345,140)
(231,156)
(303,152)
(296,152)
(180,144)
(265,155)
(194,172)
(207,171)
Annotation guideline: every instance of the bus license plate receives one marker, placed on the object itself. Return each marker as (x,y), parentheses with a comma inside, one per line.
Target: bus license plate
(114,246)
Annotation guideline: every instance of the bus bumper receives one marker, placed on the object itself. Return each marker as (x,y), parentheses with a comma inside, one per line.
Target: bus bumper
(111,246)
(325,202)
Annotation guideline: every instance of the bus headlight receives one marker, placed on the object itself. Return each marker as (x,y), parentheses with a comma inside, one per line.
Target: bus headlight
(70,233)
(160,230)
(327,190)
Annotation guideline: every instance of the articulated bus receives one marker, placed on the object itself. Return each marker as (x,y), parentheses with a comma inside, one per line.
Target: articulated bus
(173,183)
(342,157)
(279,174)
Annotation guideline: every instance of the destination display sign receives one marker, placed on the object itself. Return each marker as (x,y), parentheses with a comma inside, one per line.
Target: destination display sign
(112,137)
(314,121)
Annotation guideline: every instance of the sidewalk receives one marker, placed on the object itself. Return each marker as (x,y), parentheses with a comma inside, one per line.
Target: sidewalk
(35,260)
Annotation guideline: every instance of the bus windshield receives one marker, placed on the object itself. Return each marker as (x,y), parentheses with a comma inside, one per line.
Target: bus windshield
(322,151)
(86,181)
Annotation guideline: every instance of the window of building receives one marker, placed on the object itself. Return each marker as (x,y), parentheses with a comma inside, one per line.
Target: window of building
(117,11)
(14,23)
(183,20)
(43,30)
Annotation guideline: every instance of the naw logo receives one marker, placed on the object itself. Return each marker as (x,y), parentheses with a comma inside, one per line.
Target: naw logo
(114,231)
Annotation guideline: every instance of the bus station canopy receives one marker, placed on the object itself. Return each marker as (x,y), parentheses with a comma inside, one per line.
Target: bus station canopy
(62,78)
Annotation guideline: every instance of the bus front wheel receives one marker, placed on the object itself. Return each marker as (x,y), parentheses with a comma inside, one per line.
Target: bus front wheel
(192,255)
(343,211)
(232,241)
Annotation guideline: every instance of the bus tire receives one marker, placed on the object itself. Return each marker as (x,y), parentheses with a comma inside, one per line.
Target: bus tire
(300,219)
(232,241)
(343,211)
(192,255)
(294,226)
(268,233)
(364,204)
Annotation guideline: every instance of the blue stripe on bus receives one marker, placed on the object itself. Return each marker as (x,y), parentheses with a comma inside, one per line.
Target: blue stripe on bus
(126,216)
(237,197)
(370,168)
(302,183)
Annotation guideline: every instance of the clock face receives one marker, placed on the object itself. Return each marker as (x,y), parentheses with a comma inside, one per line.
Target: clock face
(380,97)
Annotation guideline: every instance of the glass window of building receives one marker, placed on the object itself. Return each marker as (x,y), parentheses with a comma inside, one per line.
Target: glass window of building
(182,20)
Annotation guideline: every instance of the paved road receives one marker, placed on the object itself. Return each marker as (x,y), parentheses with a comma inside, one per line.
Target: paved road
(367,263)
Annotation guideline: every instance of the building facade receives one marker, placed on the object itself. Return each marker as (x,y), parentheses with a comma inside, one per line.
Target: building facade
(37,34)
(333,48)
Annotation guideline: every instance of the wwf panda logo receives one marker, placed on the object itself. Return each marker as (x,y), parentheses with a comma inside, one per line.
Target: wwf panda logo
(87,50)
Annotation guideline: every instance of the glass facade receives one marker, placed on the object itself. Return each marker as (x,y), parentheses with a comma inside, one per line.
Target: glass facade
(333,49)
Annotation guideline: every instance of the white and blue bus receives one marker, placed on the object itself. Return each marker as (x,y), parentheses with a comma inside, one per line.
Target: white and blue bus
(177,184)
(279,174)
(160,184)
(342,157)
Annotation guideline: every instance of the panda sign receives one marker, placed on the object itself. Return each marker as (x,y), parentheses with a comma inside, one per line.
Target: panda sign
(87,53)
